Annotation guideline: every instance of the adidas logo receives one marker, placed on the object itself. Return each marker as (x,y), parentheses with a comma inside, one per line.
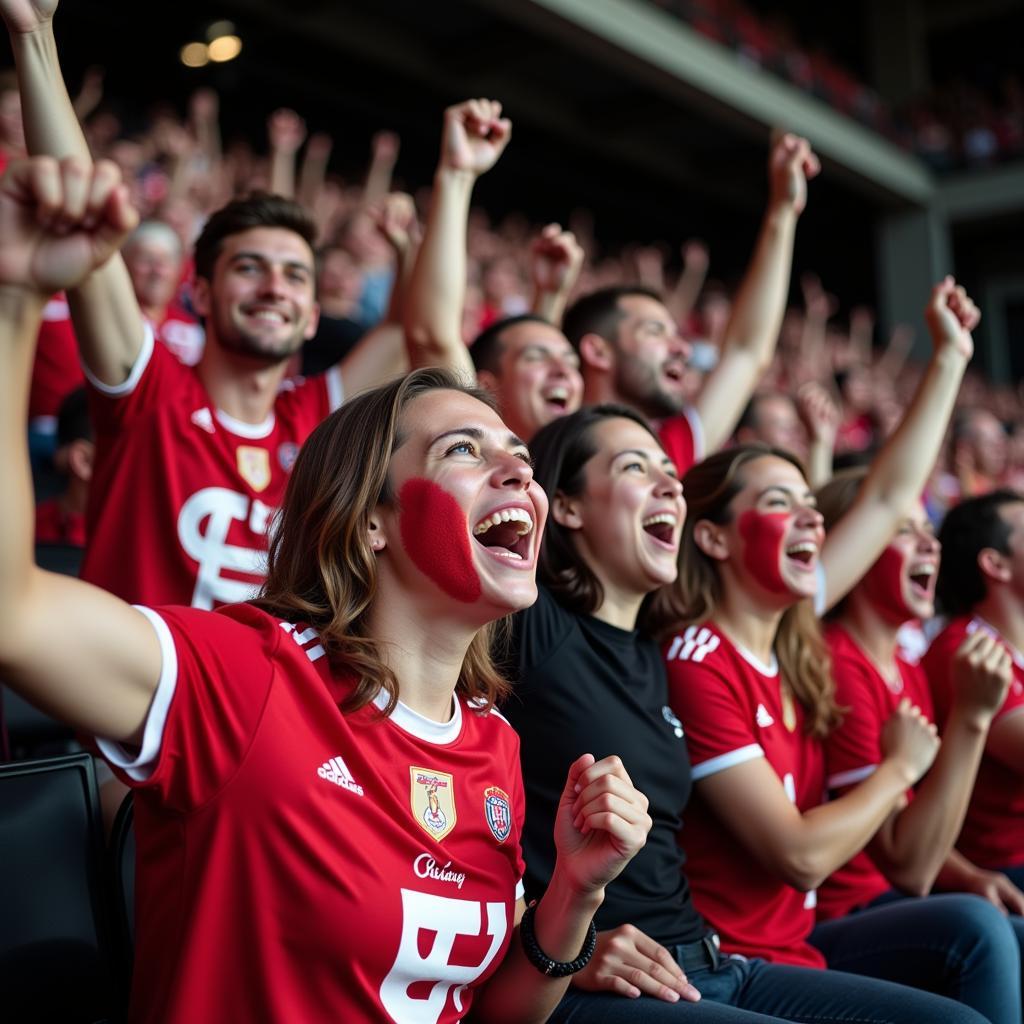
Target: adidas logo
(764,719)
(203,419)
(336,771)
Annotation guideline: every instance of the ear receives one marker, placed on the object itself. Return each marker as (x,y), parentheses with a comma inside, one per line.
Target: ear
(201,296)
(596,352)
(994,565)
(378,542)
(566,512)
(711,539)
(487,380)
(80,458)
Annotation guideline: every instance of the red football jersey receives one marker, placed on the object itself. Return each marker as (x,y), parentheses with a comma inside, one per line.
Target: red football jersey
(682,437)
(56,371)
(993,832)
(182,334)
(732,711)
(854,750)
(182,494)
(298,864)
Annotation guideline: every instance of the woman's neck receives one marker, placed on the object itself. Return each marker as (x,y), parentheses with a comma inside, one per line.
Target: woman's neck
(875,636)
(747,623)
(619,608)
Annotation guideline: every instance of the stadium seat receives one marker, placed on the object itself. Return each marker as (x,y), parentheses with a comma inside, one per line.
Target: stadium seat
(122,863)
(55,949)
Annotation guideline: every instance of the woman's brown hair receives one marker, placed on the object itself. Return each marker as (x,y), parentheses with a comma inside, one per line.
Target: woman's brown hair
(710,487)
(320,567)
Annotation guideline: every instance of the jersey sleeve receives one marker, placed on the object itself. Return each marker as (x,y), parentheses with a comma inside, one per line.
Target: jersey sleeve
(155,375)
(718,722)
(215,679)
(853,749)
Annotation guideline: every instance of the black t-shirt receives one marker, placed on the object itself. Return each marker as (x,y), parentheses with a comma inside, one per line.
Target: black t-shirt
(335,337)
(584,686)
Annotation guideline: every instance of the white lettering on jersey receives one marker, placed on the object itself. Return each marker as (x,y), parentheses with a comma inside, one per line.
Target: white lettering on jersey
(335,770)
(446,919)
(425,866)
(789,785)
(694,645)
(203,524)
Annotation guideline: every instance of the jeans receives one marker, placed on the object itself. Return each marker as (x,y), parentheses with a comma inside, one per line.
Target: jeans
(953,944)
(739,991)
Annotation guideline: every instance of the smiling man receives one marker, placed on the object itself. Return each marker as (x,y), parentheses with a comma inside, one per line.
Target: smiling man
(191,462)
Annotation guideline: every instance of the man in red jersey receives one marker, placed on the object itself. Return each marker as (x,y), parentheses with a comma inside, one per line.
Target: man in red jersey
(981,586)
(631,350)
(191,462)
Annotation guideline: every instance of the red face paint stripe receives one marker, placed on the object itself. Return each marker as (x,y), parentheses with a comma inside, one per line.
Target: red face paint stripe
(435,535)
(762,534)
(883,584)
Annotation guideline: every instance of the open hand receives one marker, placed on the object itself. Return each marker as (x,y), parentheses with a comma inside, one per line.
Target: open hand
(60,221)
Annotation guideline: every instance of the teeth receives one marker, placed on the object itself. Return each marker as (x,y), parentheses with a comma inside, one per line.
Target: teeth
(798,549)
(506,515)
(557,394)
(926,569)
(268,314)
(502,553)
(661,517)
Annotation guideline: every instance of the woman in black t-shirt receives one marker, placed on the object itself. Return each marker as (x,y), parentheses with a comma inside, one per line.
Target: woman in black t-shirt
(588,679)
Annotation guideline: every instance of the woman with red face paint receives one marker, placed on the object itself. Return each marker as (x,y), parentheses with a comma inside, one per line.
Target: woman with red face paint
(914,848)
(749,678)
(328,809)
(587,675)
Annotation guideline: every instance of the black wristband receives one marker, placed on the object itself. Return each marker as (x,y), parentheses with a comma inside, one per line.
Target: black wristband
(540,959)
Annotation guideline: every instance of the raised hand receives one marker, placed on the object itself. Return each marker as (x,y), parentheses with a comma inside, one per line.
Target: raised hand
(982,673)
(385,146)
(27,15)
(911,740)
(286,131)
(791,165)
(555,260)
(395,218)
(951,316)
(475,135)
(60,221)
(818,411)
(632,964)
(600,824)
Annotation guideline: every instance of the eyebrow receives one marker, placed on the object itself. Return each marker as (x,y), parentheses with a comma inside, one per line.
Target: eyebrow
(787,491)
(261,258)
(478,435)
(665,460)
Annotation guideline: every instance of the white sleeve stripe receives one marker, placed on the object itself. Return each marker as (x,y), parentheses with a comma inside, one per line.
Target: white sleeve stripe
(140,767)
(520,890)
(854,775)
(127,386)
(719,764)
(697,429)
(335,387)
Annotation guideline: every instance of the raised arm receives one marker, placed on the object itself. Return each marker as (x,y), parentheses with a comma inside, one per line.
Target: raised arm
(108,323)
(286,131)
(898,474)
(556,259)
(753,328)
(79,653)
(475,135)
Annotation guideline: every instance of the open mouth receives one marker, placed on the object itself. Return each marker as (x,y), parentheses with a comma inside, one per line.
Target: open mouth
(922,579)
(803,553)
(506,534)
(662,527)
(557,399)
(266,316)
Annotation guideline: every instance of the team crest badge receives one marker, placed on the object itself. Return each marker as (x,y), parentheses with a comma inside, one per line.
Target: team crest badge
(498,812)
(254,466)
(287,453)
(433,801)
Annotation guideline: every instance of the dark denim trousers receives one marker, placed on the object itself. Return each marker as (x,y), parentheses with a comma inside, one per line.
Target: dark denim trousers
(740,991)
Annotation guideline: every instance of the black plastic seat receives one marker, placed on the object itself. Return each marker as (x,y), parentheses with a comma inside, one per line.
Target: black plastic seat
(55,948)
(122,864)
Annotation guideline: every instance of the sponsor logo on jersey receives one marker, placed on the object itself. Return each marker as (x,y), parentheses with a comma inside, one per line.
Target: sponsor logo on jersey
(764,718)
(253,466)
(498,812)
(287,453)
(335,770)
(203,419)
(424,866)
(432,799)
(669,715)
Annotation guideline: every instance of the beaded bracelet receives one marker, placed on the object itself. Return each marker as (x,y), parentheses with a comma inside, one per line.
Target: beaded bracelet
(540,959)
